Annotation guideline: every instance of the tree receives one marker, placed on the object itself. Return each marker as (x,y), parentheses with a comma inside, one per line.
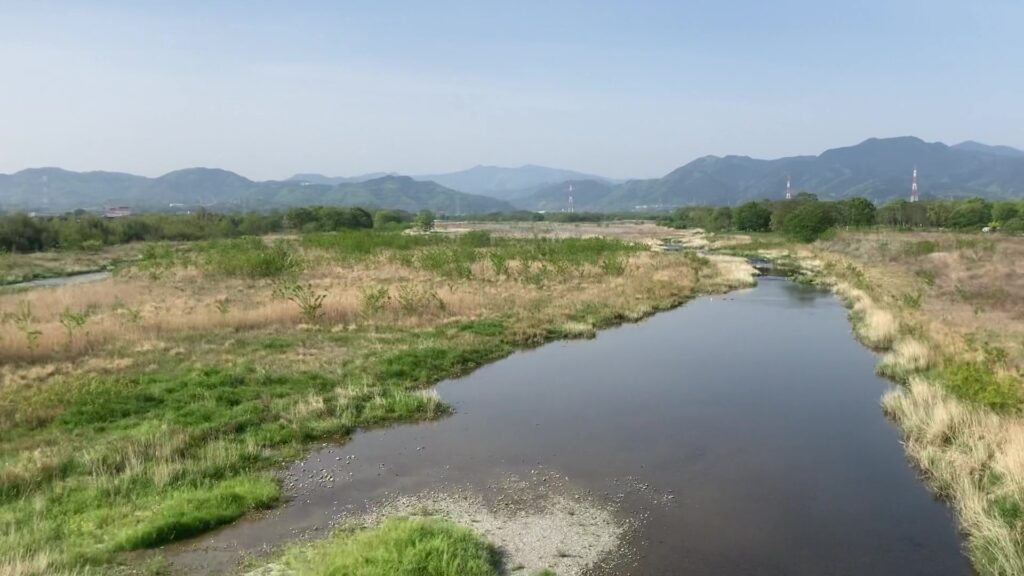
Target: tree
(808,221)
(721,219)
(855,212)
(974,213)
(425,220)
(1004,211)
(752,217)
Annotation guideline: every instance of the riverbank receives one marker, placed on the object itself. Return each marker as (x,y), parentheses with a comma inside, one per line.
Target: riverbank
(157,404)
(946,310)
(21,268)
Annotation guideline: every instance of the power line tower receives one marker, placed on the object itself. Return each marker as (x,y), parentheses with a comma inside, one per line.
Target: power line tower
(789,189)
(913,187)
(570,198)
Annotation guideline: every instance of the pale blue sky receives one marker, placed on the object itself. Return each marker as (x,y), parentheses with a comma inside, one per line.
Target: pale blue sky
(625,89)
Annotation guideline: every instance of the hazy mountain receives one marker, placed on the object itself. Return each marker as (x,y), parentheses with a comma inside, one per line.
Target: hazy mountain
(53,190)
(972,146)
(587,195)
(332,180)
(398,192)
(878,169)
(507,183)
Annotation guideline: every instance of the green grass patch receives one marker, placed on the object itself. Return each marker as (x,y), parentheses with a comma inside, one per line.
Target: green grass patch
(399,547)
(249,258)
(976,382)
(200,509)
(920,248)
(490,327)
(429,363)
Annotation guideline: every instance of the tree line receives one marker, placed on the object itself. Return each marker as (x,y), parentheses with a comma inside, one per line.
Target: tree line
(80,230)
(805,217)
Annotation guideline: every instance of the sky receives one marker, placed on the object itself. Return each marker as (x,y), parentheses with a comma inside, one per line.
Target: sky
(617,88)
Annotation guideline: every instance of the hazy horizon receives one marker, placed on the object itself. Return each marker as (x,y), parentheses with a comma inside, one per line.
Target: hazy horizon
(611,88)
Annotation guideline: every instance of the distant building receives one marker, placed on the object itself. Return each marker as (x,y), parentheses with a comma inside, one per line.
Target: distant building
(119,212)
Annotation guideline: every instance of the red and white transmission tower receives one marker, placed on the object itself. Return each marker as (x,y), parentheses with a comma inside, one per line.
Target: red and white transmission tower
(789,189)
(570,199)
(913,187)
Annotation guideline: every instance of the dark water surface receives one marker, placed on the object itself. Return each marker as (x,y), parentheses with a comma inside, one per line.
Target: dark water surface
(757,411)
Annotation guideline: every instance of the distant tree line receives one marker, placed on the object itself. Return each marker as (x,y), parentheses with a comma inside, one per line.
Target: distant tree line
(80,230)
(806,218)
(530,216)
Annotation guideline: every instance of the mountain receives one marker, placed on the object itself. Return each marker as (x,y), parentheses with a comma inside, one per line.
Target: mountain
(321,179)
(587,196)
(972,146)
(52,190)
(396,192)
(507,183)
(878,169)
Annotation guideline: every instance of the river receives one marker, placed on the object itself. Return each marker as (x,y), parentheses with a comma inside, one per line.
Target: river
(754,415)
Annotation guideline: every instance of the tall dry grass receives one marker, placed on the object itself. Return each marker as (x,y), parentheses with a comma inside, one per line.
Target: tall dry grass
(975,459)
(938,302)
(137,311)
(874,325)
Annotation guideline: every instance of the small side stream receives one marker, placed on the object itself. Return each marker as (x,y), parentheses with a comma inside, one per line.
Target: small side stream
(750,422)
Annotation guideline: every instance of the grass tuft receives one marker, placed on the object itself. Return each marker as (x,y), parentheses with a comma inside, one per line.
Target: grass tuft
(399,547)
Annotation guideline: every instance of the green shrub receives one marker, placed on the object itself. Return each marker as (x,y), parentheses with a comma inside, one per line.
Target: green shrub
(374,300)
(309,301)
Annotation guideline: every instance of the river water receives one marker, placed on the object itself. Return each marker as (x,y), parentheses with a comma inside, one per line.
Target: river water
(753,416)
(71,280)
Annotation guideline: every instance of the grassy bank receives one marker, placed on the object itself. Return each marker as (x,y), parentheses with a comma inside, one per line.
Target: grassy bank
(15,268)
(947,310)
(157,404)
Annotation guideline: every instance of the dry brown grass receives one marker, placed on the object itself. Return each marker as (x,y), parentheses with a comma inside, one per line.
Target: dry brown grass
(944,299)
(136,312)
(874,325)
(975,459)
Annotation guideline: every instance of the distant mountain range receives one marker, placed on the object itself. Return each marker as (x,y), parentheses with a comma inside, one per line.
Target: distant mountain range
(878,169)
(52,190)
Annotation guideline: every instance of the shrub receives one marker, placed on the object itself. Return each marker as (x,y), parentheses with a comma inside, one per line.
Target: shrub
(310,302)
(375,300)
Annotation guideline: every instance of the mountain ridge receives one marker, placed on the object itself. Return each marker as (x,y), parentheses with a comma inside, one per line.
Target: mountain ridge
(876,168)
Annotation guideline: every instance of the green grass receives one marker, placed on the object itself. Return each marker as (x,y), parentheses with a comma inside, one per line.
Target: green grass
(976,382)
(399,547)
(195,511)
(249,258)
